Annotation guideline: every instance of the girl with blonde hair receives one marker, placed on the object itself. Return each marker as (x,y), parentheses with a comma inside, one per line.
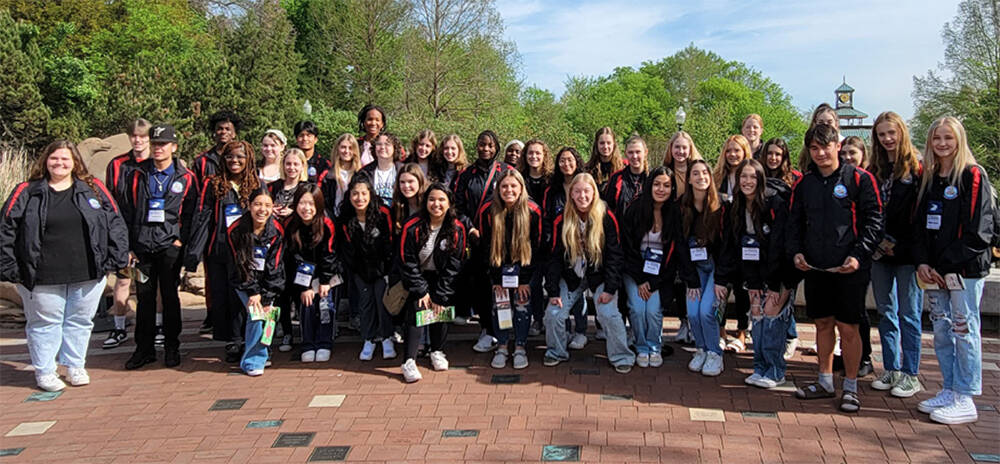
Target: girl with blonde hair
(345,161)
(680,151)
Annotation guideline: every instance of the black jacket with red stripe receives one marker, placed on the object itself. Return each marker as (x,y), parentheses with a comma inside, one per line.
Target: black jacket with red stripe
(323,255)
(316,166)
(447,254)
(366,253)
(23,223)
(271,281)
(180,205)
(553,202)
(623,188)
(484,222)
(670,238)
(329,184)
(899,199)
(206,164)
(771,269)
(834,217)
(608,272)
(471,189)
(208,232)
(961,244)
(117,171)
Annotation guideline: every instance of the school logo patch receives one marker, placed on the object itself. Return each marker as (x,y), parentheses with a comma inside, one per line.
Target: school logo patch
(94,203)
(840,191)
(312,171)
(177,187)
(766,229)
(951,192)
(443,245)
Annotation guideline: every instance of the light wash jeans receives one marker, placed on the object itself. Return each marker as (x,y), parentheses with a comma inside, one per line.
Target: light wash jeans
(59,321)
(957,342)
(607,314)
(254,352)
(646,318)
(769,338)
(898,298)
(703,312)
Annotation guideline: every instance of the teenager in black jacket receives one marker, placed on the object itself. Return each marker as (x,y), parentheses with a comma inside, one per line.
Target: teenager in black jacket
(625,185)
(431,252)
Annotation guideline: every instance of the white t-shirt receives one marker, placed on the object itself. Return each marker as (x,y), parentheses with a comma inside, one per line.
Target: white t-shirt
(427,251)
(385,183)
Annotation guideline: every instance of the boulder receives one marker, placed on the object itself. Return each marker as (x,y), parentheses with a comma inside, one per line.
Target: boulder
(97,153)
(8,291)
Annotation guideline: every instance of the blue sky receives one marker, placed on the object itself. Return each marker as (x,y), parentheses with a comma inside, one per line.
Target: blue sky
(879,45)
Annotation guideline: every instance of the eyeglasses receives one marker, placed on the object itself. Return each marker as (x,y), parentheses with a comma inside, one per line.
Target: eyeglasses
(233,156)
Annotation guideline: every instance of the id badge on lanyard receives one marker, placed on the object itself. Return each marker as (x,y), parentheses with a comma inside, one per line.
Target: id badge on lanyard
(697,253)
(259,253)
(304,273)
(751,249)
(934,211)
(505,316)
(510,275)
(232,213)
(653,259)
(156,213)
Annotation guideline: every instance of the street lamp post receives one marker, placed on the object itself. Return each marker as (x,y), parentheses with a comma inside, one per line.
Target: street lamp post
(680,116)
(307,108)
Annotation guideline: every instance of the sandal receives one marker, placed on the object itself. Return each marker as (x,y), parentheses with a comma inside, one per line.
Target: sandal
(813,391)
(849,402)
(736,346)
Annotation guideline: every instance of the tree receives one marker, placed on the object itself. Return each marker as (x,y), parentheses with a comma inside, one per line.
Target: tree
(373,51)
(628,101)
(969,84)
(23,115)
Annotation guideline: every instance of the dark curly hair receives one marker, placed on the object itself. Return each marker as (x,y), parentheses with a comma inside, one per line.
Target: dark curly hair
(246,181)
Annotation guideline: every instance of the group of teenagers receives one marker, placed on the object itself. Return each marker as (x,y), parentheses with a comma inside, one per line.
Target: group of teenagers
(524,239)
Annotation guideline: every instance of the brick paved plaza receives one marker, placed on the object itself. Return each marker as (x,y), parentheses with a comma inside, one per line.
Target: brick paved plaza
(206,411)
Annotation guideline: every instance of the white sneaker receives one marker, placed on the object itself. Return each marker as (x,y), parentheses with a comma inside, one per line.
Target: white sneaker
(655,360)
(698,361)
(682,332)
(77,376)
(713,365)
(642,360)
(942,399)
(308,356)
(961,411)
(255,372)
(500,359)
(388,349)
(600,334)
(438,361)
(790,347)
(752,379)
(322,355)
(459,320)
(765,382)
(887,380)
(50,382)
(578,342)
(286,343)
(410,372)
(367,351)
(485,344)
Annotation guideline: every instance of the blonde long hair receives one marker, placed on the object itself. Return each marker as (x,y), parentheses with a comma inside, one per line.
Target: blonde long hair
(963,155)
(338,164)
(722,166)
(520,243)
(668,160)
(587,244)
(907,156)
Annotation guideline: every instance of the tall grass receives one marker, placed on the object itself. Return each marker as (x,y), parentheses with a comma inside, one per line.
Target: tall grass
(14,165)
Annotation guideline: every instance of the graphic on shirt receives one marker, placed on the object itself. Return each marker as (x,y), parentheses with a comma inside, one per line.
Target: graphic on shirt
(950,192)
(840,191)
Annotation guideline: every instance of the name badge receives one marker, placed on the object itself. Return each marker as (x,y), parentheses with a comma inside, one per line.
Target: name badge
(510,275)
(653,259)
(232,213)
(697,253)
(505,317)
(934,210)
(751,249)
(156,213)
(304,274)
(259,253)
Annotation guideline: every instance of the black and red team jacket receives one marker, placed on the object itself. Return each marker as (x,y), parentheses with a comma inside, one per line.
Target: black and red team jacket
(323,255)
(553,202)
(117,171)
(771,269)
(271,281)
(609,272)
(484,222)
(23,223)
(670,238)
(623,187)
(471,189)
(206,164)
(834,217)
(366,253)
(961,245)
(899,202)
(180,204)
(208,232)
(447,255)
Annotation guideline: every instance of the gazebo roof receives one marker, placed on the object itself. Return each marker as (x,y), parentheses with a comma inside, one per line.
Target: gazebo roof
(844,88)
(845,112)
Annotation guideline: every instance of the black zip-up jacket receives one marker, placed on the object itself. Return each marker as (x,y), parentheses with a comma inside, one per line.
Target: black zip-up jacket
(484,222)
(206,165)
(553,202)
(117,171)
(769,271)
(23,223)
(323,255)
(328,184)
(208,232)
(834,217)
(899,200)
(471,191)
(536,187)
(447,255)
(180,203)
(688,271)
(316,166)
(670,238)
(271,281)
(961,244)
(367,253)
(609,272)
(623,187)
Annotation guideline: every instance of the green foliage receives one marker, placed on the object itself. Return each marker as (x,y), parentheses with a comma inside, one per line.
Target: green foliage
(628,101)
(23,115)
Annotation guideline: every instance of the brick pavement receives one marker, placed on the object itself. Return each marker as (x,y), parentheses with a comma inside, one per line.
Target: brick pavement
(163,415)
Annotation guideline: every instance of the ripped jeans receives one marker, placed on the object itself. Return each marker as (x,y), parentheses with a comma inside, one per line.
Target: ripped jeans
(769,337)
(957,342)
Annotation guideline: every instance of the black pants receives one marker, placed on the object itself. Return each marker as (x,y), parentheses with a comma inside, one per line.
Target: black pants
(163,269)
(438,332)
(482,301)
(228,313)
(740,308)
(284,301)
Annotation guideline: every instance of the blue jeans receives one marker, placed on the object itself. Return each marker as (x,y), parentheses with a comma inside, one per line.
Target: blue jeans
(315,334)
(646,318)
(957,342)
(769,336)
(254,352)
(59,321)
(521,320)
(792,331)
(607,314)
(702,313)
(898,298)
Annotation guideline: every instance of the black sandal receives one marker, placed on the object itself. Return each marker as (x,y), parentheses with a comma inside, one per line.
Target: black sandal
(813,391)
(849,402)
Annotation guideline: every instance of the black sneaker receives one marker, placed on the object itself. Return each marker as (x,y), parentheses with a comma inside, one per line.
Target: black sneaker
(139,359)
(159,337)
(233,353)
(172,358)
(115,338)
(865,368)
(206,327)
